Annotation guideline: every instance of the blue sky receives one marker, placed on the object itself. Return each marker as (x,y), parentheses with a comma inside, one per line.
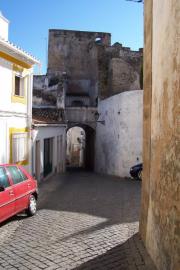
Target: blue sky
(30,21)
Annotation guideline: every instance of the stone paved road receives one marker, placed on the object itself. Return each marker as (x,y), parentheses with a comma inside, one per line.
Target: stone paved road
(85,221)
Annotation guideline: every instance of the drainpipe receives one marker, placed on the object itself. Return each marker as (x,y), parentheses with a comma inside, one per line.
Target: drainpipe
(29,119)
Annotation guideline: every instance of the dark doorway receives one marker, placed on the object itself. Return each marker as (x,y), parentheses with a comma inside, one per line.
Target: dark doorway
(38,162)
(90,148)
(48,156)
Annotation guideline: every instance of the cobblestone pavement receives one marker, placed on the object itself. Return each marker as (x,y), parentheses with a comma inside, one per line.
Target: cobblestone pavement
(85,221)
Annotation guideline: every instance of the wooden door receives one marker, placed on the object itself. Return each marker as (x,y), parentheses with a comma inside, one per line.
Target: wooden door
(48,156)
(37,161)
(59,154)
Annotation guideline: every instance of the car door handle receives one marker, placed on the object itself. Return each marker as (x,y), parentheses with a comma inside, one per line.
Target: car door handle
(11,193)
(29,185)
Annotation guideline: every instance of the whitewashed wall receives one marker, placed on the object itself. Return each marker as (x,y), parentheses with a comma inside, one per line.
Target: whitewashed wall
(6,122)
(43,132)
(13,114)
(4,27)
(4,146)
(6,89)
(119,141)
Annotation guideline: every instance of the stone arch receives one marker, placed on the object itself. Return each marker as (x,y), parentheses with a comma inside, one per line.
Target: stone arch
(89,144)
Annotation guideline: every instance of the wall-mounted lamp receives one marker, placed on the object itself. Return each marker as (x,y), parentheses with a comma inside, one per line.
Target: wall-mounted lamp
(96,116)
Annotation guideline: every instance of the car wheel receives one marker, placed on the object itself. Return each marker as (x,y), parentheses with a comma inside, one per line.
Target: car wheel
(140,175)
(32,207)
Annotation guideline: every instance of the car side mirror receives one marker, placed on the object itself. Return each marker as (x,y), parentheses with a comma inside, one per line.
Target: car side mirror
(2,188)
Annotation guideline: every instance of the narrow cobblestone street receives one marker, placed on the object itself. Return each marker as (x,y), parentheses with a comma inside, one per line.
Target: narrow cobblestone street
(85,221)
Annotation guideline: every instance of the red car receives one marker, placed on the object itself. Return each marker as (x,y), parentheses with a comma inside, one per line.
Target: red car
(18,192)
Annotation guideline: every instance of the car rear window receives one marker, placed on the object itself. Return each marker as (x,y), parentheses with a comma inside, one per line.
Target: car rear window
(4,181)
(16,174)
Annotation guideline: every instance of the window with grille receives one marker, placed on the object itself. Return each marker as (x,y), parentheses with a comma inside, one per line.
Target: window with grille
(19,147)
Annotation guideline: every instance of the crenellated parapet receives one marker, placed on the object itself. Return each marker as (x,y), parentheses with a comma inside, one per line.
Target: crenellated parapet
(94,69)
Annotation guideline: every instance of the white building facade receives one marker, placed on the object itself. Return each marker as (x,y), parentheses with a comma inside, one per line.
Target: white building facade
(119,140)
(16,73)
(48,152)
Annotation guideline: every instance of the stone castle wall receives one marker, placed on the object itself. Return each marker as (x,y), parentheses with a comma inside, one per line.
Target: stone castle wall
(119,69)
(75,52)
(94,67)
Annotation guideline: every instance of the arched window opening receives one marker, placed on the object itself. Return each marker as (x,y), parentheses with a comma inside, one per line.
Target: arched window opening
(98,40)
(77,103)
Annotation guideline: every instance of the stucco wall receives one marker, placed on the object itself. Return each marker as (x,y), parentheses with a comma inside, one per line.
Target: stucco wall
(7,122)
(13,114)
(6,89)
(160,215)
(43,132)
(119,140)
(4,27)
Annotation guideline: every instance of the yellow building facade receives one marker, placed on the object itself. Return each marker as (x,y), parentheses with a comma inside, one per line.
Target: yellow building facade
(16,75)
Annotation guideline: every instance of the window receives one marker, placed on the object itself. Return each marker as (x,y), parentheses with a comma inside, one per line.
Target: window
(19,147)
(98,40)
(4,178)
(48,156)
(16,175)
(77,103)
(24,176)
(19,85)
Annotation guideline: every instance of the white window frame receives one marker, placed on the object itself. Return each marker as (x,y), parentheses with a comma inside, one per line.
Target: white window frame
(19,147)
(23,84)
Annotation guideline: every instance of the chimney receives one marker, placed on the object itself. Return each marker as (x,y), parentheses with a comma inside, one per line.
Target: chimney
(4,27)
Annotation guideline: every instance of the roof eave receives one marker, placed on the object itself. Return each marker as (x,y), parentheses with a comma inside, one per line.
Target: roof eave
(16,52)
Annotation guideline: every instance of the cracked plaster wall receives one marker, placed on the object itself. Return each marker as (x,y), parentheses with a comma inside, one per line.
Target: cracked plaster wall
(160,214)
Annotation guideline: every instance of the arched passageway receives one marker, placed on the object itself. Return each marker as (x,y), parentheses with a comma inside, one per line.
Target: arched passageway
(80,147)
